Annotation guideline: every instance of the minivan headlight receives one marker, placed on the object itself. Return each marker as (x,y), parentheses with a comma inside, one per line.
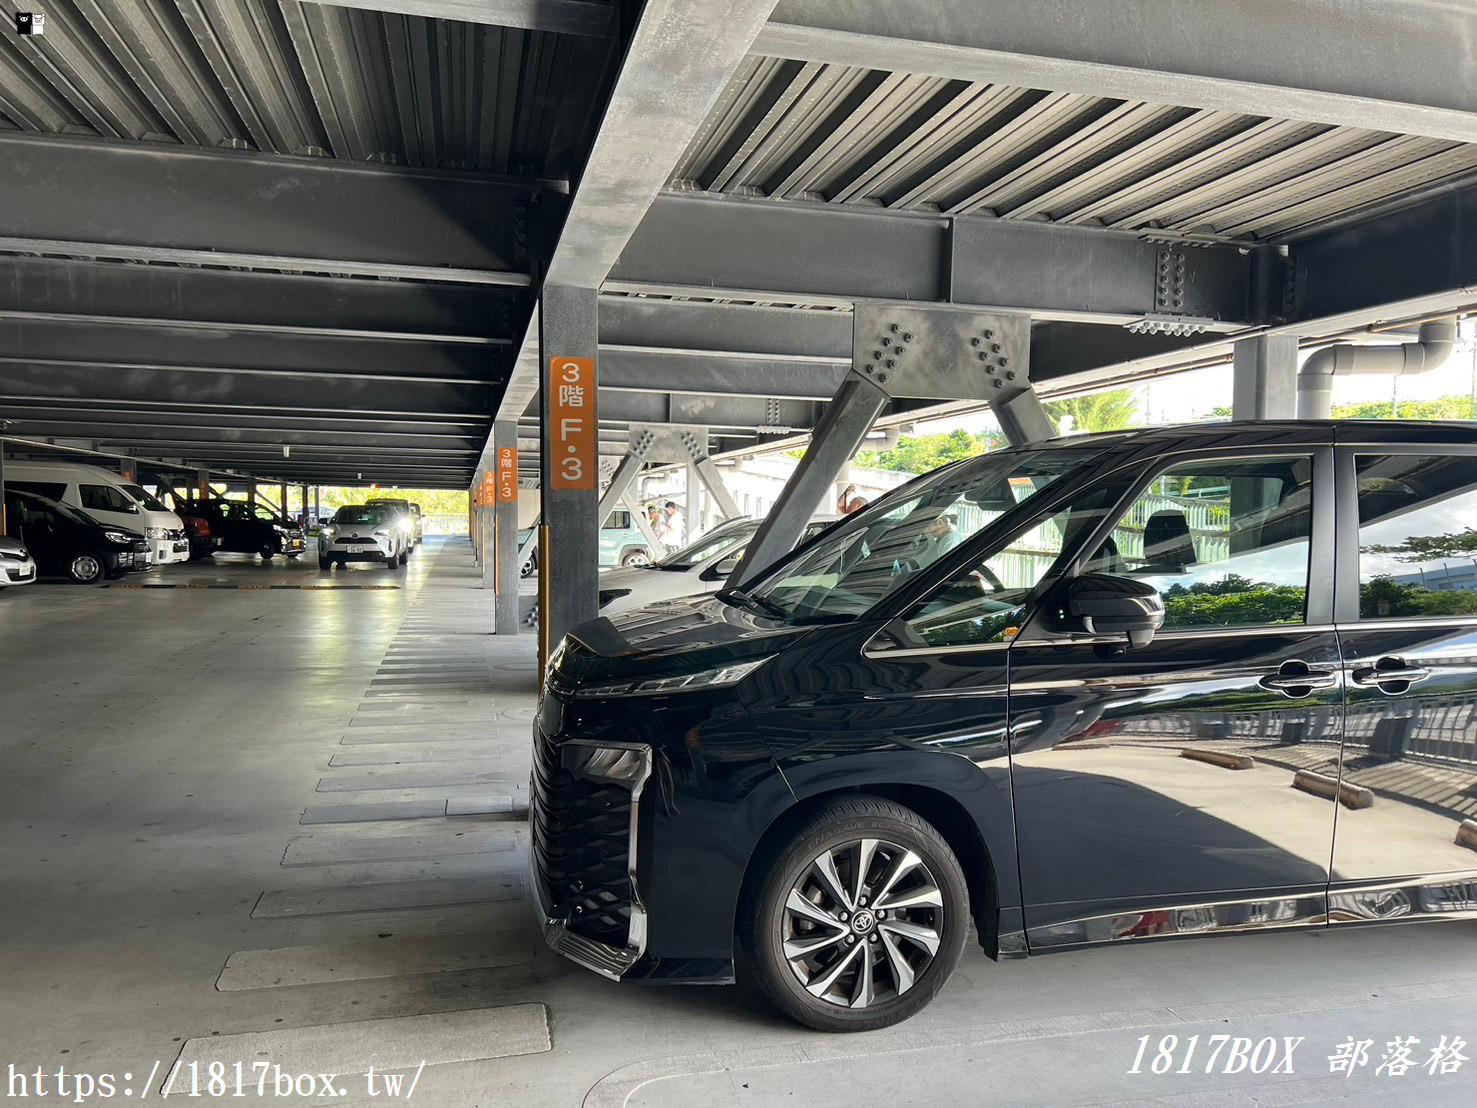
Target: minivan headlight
(157,532)
(719,678)
(120,537)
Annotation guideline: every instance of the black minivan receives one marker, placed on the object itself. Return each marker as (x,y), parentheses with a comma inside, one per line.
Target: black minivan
(1113,687)
(68,542)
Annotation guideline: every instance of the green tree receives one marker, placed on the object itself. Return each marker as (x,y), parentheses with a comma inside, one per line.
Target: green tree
(921,453)
(1113,410)
(1443,407)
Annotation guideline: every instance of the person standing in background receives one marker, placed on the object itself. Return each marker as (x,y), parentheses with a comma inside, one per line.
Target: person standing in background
(675,526)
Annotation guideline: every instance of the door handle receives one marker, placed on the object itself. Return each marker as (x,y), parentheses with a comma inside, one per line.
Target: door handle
(1298,679)
(1393,672)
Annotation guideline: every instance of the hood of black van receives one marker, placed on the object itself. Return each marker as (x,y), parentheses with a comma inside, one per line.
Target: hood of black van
(673,637)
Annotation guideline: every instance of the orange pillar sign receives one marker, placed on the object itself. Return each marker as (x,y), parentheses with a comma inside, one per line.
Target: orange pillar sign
(507,475)
(572,415)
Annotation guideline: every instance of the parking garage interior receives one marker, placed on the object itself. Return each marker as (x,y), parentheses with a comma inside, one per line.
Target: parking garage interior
(540,251)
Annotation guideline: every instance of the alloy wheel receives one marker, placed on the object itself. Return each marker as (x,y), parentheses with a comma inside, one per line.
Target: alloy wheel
(86,568)
(862,922)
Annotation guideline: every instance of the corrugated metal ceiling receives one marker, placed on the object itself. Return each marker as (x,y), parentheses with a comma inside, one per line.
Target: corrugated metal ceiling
(298,78)
(790,130)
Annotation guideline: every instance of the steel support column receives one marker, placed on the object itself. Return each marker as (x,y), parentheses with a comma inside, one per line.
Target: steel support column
(1264,381)
(839,433)
(712,480)
(505,540)
(621,481)
(1023,419)
(569,538)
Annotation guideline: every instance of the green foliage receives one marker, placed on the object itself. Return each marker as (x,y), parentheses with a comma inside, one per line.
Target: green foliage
(1385,597)
(1443,407)
(432,501)
(921,453)
(1233,601)
(1430,548)
(1113,410)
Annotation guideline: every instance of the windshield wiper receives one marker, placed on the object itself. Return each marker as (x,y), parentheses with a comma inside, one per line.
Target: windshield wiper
(753,603)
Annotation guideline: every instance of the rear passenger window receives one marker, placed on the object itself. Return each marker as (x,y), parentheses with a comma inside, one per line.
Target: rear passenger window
(1417,535)
(1226,543)
(40,488)
(105,498)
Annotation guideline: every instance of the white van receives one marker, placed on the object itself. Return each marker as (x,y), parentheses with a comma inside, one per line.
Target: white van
(108,498)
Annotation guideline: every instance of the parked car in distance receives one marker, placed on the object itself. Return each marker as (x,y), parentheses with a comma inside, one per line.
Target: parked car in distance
(242,528)
(621,544)
(364,533)
(108,499)
(699,567)
(411,512)
(67,542)
(1098,689)
(17,567)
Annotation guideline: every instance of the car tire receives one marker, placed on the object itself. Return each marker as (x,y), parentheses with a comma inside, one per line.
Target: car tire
(324,563)
(527,568)
(810,962)
(87,567)
(633,558)
(392,560)
(404,556)
(267,552)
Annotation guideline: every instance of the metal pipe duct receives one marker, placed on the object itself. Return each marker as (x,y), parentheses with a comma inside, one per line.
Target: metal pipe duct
(1432,347)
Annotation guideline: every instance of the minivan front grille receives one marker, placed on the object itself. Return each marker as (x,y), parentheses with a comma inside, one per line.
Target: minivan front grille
(581,839)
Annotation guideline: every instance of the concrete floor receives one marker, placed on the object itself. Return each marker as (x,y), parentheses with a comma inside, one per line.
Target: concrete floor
(226,838)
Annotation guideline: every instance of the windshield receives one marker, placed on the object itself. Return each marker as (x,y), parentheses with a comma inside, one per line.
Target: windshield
(709,546)
(875,551)
(147,499)
(370,516)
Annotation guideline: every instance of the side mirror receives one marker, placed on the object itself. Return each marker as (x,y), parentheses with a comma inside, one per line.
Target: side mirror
(1108,605)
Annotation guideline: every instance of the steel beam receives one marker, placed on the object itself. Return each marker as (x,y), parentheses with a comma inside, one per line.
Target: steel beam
(1426,251)
(730,248)
(1386,67)
(644,369)
(740,330)
(281,303)
(677,64)
(842,428)
(620,483)
(560,17)
(151,202)
(125,346)
(266,390)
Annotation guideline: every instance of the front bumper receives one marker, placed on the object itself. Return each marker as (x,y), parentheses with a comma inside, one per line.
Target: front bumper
(17,573)
(554,815)
(356,550)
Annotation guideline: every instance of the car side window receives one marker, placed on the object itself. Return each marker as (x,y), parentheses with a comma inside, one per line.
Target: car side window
(105,498)
(1417,535)
(263,514)
(1225,542)
(987,602)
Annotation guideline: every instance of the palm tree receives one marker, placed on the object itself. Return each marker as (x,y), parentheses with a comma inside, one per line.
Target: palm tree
(1099,411)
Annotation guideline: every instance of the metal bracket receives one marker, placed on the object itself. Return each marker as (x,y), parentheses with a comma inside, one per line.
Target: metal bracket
(941,353)
(1169,282)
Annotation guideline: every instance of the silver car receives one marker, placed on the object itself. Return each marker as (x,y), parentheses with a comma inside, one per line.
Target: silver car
(16,565)
(364,533)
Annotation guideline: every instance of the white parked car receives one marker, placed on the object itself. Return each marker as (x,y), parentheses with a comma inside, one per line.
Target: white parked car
(364,533)
(107,498)
(16,565)
(701,566)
